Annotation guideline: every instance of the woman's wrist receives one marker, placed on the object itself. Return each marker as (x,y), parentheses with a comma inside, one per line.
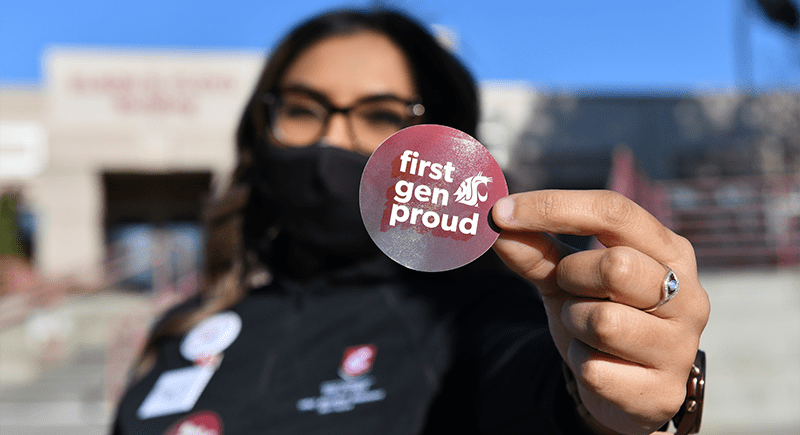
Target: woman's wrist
(687,420)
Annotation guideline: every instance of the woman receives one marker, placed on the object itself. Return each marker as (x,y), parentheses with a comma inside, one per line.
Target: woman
(304,327)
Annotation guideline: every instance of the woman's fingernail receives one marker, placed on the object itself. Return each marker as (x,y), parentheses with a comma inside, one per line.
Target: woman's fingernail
(504,209)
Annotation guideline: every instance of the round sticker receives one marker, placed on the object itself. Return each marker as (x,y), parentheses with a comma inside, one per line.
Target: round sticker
(211,336)
(425,197)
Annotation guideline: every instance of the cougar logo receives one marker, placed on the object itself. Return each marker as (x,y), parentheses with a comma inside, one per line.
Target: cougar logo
(467,192)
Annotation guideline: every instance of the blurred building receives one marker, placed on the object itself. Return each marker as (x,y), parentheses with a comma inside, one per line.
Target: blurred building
(558,140)
(114,155)
(720,168)
(118,150)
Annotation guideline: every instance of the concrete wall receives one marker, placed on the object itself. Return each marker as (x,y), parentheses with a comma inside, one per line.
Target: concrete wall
(752,345)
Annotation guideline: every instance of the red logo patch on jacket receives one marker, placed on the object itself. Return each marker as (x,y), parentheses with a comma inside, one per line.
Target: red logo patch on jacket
(357,361)
(201,423)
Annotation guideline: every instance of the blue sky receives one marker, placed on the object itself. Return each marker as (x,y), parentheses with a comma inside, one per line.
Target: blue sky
(615,45)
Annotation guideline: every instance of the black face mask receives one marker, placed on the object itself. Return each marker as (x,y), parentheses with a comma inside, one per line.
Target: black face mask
(309,196)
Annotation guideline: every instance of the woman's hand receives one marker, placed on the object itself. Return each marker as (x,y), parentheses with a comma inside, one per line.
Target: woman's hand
(631,365)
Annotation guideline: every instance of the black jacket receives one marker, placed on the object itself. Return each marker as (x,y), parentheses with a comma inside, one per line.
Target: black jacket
(465,352)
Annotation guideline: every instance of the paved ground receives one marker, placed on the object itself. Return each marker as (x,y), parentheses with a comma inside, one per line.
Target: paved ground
(58,369)
(752,342)
(65,400)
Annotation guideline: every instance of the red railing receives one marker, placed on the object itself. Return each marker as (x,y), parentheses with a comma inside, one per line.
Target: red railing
(751,221)
(738,221)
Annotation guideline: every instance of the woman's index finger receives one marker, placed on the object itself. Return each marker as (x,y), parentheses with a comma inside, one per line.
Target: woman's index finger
(611,217)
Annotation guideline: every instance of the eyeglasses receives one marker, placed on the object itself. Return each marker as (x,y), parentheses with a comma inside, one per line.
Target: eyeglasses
(301,117)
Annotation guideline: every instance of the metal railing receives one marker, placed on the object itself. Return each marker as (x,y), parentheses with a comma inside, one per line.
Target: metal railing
(738,221)
(748,221)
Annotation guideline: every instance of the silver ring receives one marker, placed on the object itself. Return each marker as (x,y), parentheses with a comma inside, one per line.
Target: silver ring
(668,290)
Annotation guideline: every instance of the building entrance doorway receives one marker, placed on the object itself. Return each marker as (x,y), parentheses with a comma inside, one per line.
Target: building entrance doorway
(153,230)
